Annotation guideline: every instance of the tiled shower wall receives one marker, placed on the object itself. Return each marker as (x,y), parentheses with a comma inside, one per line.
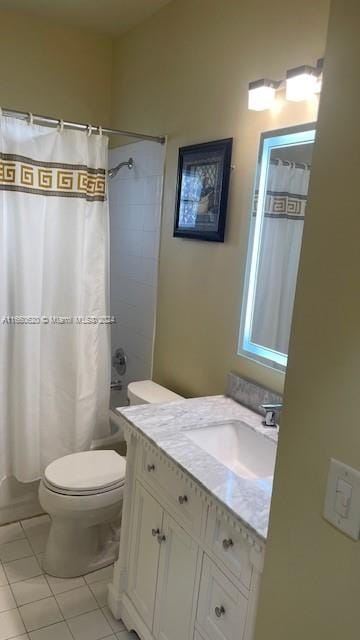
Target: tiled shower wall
(135,210)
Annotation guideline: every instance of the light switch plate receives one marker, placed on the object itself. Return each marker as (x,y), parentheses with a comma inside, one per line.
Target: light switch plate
(338,494)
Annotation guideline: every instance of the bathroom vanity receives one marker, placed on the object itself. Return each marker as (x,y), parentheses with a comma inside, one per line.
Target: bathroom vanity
(195,517)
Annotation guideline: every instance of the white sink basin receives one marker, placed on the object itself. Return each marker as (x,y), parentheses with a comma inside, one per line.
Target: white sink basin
(247,453)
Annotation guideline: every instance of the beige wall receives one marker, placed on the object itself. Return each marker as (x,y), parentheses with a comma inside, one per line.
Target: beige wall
(54,70)
(185,73)
(312,571)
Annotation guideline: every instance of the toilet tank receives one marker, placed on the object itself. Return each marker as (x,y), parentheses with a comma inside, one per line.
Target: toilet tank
(149,392)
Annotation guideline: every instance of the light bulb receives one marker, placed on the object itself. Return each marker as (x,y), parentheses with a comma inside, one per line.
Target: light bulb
(262,95)
(301,83)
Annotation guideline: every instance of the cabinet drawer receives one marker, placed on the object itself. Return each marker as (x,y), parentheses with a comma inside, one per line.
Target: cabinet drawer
(222,607)
(229,547)
(182,499)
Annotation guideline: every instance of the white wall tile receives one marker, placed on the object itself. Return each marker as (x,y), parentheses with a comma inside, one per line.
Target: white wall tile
(151,217)
(135,212)
(149,245)
(130,242)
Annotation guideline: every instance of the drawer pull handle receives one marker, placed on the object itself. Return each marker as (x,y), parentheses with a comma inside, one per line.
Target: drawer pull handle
(151,467)
(219,611)
(182,499)
(227,544)
(161,538)
(155,532)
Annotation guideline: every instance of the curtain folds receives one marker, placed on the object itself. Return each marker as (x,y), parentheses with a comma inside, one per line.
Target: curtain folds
(282,230)
(54,336)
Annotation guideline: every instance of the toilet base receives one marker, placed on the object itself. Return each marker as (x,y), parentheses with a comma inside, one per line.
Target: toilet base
(73,551)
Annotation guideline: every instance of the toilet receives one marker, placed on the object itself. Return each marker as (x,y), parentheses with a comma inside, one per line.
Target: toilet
(83,495)
(149,392)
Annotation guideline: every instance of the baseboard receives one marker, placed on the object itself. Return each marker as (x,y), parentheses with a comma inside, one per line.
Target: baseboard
(22,511)
(114,601)
(18,501)
(123,609)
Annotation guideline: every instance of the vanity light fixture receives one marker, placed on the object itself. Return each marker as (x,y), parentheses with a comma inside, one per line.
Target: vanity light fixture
(301,83)
(262,94)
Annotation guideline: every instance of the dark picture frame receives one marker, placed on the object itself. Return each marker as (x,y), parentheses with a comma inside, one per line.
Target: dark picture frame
(202,190)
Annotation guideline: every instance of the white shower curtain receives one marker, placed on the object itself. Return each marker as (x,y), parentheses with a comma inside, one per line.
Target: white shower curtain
(54,336)
(282,230)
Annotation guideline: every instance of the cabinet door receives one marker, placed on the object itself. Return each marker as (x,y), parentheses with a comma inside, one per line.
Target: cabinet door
(176,584)
(144,553)
(222,608)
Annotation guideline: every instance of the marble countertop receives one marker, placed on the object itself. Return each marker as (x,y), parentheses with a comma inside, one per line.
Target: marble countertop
(165,427)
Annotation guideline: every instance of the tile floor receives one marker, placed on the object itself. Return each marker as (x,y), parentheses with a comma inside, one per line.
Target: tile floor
(35,606)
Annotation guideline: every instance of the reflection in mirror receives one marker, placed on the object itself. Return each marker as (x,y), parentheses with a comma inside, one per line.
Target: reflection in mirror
(276,230)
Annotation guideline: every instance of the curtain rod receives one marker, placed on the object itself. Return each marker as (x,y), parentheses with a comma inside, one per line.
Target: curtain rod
(54,122)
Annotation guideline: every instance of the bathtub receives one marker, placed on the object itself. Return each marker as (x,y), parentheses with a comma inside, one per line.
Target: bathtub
(115,440)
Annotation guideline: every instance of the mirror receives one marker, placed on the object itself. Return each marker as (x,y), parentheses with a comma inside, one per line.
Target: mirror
(276,228)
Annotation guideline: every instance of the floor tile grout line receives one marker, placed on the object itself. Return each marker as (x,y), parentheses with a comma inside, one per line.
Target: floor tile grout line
(99,605)
(44,626)
(33,555)
(52,624)
(31,601)
(71,633)
(77,614)
(47,576)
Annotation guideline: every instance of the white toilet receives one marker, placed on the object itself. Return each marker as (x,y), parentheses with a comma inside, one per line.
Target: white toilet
(149,392)
(83,494)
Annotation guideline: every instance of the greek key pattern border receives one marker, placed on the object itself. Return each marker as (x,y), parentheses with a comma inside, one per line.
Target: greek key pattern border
(23,174)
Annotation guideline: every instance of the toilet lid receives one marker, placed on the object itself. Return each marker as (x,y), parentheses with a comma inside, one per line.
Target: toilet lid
(88,471)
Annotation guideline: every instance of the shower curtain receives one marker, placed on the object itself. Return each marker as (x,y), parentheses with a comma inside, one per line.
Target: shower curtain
(54,336)
(282,230)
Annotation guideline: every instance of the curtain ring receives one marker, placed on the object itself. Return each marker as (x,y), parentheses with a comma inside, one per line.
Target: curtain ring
(89,130)
(100,130)
(31,118)
(61,125)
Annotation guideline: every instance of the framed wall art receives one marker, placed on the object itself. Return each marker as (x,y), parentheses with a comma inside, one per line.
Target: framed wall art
(202,190)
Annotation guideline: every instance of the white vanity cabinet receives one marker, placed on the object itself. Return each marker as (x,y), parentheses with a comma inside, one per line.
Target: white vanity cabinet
(187,568)
(162,569)
(176,583)
(144,553)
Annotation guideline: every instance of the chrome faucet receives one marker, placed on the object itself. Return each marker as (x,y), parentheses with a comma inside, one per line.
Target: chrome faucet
(271,412)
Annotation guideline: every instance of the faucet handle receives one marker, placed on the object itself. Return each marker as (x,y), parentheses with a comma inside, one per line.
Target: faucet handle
(269,406)
(270,413)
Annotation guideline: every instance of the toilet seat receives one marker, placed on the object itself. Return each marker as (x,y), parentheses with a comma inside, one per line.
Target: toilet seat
(86,473)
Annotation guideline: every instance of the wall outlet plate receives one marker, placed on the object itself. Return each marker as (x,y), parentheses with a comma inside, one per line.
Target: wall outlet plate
(342,500)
